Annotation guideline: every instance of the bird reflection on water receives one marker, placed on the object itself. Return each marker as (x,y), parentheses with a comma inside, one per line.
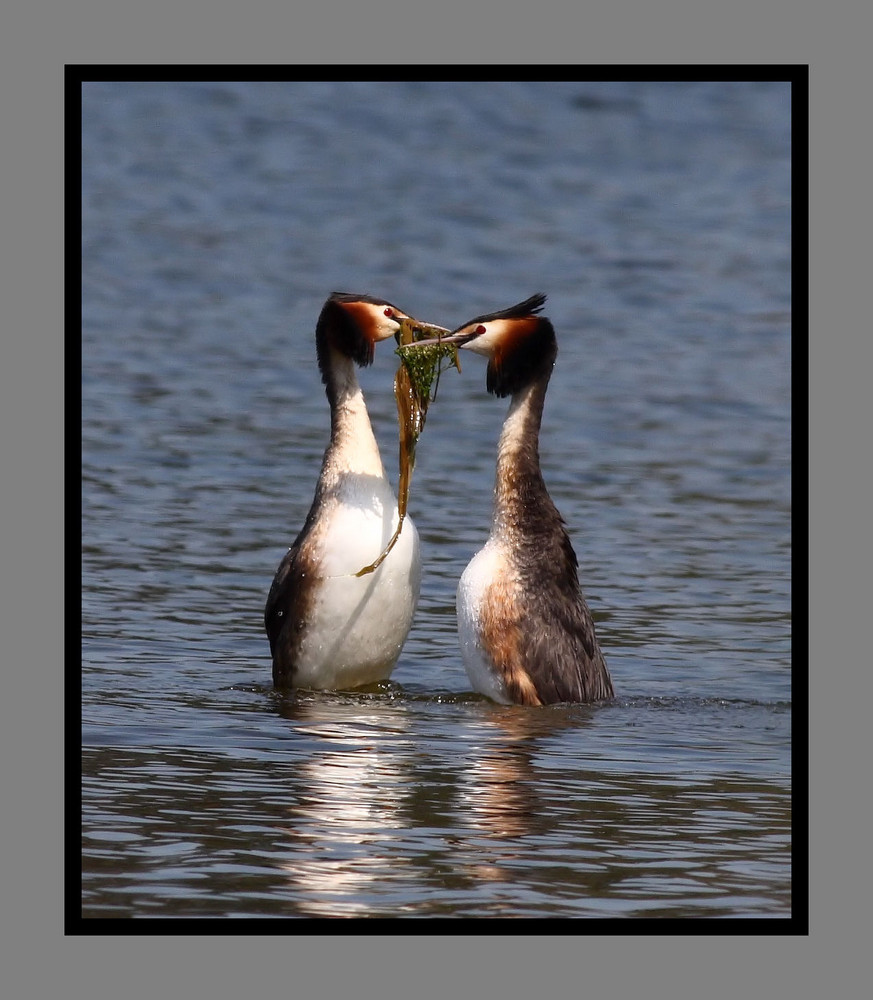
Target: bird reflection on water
(367,803)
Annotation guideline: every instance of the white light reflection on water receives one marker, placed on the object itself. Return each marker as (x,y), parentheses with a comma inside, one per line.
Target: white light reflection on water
(346,816)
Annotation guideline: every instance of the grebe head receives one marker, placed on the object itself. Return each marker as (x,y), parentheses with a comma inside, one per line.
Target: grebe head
(352,325)
(520,345)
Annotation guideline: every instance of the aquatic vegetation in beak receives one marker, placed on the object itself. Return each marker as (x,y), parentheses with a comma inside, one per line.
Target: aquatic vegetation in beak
(415,388)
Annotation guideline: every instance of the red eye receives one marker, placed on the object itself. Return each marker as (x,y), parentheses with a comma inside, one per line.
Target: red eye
(389,313)
(480,328)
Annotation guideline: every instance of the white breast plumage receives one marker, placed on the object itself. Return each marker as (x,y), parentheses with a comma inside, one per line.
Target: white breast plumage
(481,571)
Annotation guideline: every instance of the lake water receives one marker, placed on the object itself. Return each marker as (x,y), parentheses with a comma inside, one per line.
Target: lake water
(217,217)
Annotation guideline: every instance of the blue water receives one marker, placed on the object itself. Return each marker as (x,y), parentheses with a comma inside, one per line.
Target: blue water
(217,217)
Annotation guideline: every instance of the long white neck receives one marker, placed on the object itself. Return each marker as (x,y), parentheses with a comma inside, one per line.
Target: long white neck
(353,447)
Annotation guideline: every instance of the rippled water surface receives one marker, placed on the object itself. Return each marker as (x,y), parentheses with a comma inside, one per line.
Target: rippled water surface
(216,219)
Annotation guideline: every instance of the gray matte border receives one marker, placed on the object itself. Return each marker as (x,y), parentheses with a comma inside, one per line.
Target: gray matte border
(39,961)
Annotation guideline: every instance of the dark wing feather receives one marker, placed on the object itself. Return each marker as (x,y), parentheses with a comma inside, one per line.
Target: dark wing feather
(286,613)
(559,646)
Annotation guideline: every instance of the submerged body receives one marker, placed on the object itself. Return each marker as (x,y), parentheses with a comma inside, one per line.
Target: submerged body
(328,627)
(526,634)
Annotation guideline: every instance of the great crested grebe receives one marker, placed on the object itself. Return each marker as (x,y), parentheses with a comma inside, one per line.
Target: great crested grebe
(527,636)
(327,626)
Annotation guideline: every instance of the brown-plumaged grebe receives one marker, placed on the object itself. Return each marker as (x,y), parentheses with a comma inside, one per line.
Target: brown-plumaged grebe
(328,627)
(527,636)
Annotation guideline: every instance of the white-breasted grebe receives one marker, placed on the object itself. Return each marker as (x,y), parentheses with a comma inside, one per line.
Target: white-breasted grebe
(527,636)
(328,627)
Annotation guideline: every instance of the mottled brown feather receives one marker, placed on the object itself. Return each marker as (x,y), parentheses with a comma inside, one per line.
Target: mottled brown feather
(502,636)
